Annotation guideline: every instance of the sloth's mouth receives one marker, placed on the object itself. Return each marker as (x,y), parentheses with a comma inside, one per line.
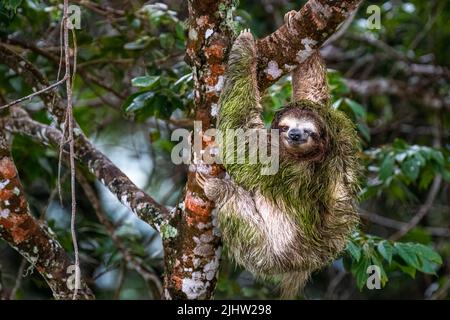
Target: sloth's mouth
(297,142)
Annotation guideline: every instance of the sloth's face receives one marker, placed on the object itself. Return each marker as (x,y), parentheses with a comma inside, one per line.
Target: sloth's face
(298,134)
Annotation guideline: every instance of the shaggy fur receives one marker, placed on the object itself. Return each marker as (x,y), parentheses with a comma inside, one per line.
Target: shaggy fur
(287,225)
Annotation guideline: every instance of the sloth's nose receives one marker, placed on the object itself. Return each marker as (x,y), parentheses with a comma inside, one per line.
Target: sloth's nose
(297,135)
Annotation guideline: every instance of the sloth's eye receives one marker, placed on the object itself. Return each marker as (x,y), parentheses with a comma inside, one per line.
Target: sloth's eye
(284,128)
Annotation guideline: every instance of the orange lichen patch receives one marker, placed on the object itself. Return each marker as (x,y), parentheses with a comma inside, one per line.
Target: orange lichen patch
(211,94)
(19,226)
(211,80)
(7,168)
(5,194)
(214,51)
(177,281)
(197,205)
(217,69)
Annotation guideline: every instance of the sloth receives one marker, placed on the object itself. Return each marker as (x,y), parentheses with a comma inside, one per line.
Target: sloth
(283,227)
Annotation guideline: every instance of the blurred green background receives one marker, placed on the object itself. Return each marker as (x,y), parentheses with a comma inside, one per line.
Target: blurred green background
(133,88)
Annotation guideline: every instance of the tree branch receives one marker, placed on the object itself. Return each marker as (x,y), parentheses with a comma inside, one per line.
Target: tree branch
(28,236)
(144,206)
(423,210)
(290,45)
(397,88)
(192,255)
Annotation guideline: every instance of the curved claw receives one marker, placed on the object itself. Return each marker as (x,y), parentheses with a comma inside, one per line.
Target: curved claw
(201,179)
(288,17)
(245,32)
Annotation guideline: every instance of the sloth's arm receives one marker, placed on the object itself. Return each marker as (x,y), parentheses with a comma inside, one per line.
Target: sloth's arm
(239,100)
(225,191)
(309,79)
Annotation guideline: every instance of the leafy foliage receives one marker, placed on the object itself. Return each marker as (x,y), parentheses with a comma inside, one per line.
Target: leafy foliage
(365,250)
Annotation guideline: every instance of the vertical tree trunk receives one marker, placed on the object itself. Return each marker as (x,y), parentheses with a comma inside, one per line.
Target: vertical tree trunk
(192,255)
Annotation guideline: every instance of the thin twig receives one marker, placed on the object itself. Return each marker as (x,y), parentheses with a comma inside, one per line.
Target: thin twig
(398,225)
(69,119)
(19,277)
(423,210)
(133,261)
(33,94)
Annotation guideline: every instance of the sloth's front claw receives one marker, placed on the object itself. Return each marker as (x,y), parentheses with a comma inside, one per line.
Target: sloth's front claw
(245,32)
(289,16)
(201,179)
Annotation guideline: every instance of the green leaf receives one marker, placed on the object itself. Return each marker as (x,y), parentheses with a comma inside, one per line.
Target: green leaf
(337,103)
(387,168)
(386,250)
(364,129)
(355,251)
(408,254)
(359,270)
(427,253)
(408,270)
(136,101)
(357,109)
(145,81)
(411,168)
(166,40)
(12,4)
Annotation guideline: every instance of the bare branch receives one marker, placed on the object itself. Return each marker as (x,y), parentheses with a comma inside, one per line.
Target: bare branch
(399,225)
(423,210)
(144,206)
(135,262)
(397,88)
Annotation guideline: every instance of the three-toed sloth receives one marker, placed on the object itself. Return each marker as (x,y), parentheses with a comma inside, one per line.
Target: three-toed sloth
(287,225)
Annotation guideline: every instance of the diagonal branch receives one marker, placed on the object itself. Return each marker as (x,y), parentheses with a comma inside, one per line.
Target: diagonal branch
(283,50)
(111,176)
(28,236)
(144,206)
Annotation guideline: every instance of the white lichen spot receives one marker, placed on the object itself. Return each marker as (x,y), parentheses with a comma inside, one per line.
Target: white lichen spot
(6,203)
(208,33)
(4,183)
(302,55)
(193,35)
(206,238)
(196,262)
(35,250)
(193,289)
(124,200)
(77,131)
(214,110)
(289,67)
(4,213)
(272,70)
(210,269)
(324,9)
(215,222)
(219,85)
(202,225)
